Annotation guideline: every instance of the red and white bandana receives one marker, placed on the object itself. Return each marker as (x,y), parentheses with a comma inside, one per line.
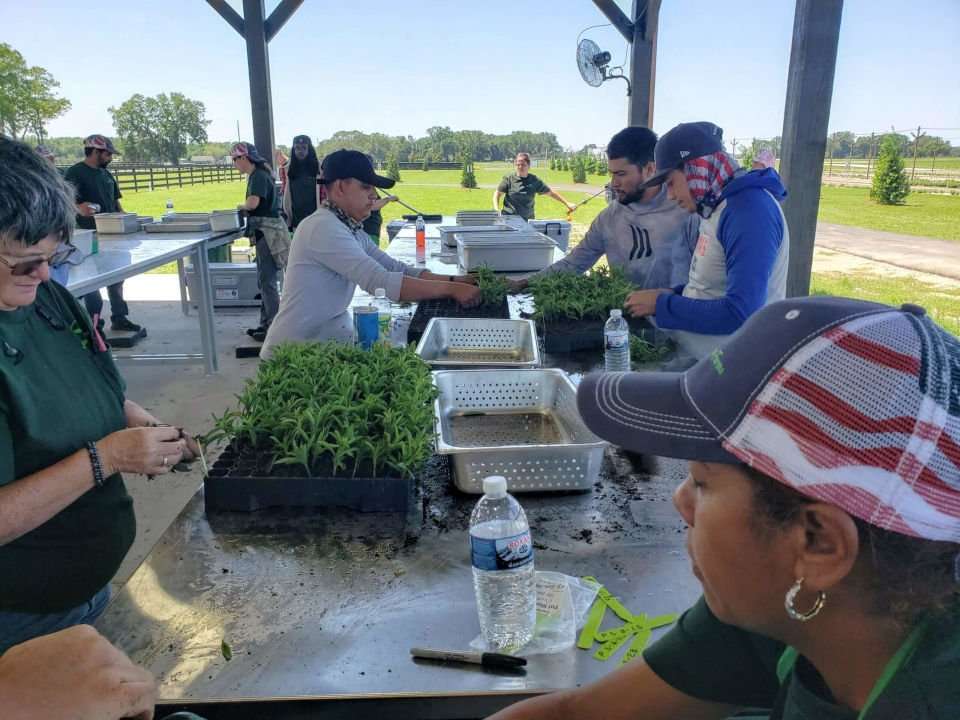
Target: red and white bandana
(866,417)
(706,175)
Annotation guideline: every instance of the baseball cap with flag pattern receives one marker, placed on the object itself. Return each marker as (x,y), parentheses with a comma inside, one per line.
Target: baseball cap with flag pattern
(852,403)
(99,142)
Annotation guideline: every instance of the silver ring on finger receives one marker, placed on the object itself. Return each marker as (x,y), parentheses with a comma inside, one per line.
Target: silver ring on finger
(164,460)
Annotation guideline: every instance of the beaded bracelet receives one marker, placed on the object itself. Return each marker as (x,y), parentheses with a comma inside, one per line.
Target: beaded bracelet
(98,478)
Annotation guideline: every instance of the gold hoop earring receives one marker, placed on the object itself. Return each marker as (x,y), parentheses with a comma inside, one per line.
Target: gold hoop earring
(791,598)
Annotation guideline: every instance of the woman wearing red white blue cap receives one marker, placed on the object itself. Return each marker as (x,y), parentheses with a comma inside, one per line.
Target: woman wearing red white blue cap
(823,505)
(266,230)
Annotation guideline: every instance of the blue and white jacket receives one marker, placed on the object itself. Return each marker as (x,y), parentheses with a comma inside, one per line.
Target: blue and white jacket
(738,264)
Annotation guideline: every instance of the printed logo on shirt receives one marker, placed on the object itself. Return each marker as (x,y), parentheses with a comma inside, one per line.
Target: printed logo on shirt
(702,243)
(642,248)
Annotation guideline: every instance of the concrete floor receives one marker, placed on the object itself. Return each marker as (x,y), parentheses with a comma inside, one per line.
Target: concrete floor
(179,394)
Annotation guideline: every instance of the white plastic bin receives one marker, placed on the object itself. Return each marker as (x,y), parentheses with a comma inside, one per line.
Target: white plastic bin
(556,230)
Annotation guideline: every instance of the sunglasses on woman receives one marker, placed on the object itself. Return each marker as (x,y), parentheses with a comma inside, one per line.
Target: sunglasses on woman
(61,256)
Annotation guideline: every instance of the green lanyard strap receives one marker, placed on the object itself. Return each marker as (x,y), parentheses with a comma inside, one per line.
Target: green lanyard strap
(788,659)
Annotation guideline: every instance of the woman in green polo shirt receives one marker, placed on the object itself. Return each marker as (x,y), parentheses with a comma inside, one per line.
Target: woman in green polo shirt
(519,191)
(823,506)
(66,429)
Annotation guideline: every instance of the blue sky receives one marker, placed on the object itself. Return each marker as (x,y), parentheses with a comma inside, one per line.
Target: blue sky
(496,65)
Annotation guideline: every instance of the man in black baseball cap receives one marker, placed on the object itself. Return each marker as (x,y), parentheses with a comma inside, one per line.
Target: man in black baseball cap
(739,248)
(331,255)
(345,164)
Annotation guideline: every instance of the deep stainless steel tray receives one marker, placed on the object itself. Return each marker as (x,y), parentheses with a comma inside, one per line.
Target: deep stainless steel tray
(521,424)
(448,232)
(477,217)
(479,342)
(176,226)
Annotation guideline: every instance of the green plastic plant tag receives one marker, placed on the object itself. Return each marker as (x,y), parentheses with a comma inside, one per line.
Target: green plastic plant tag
(609,648)
(640,641)
(614,604)
(594,621)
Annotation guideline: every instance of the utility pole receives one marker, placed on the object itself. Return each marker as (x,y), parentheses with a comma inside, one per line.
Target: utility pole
(916,146)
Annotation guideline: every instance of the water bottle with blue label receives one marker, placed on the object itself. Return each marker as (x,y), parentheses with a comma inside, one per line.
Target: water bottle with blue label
(503,577)
(616,343)
(382,303)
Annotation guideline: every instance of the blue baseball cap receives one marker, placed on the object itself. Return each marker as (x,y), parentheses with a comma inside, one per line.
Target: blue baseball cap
(682,143)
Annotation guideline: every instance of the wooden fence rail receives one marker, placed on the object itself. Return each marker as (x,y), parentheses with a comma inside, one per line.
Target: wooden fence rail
(140,178)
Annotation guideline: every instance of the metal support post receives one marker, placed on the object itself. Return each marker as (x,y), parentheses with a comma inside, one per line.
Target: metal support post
(643,62)
(813,59)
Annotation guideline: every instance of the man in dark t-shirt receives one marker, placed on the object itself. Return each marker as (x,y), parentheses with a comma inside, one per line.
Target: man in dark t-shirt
(95,185)
(520,190)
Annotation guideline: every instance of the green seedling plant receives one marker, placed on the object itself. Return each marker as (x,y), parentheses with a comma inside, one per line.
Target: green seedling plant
(493,287)
(563,296)
(642,351)
(330,405)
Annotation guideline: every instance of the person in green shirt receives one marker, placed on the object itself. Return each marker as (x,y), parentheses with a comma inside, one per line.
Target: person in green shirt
(823,506)
(96,186)
(269,233)
(520,190)
(67,430)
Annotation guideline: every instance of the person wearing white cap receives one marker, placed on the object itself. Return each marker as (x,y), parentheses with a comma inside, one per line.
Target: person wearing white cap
(823,506)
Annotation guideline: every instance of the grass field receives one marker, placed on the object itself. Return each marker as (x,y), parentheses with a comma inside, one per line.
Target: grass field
(931,215)
(936,216)
(944,307)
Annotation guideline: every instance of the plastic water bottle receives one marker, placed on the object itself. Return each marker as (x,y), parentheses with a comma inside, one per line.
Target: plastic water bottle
(503,578)
(382,303)
(616,343)
(169,207)
(421,240)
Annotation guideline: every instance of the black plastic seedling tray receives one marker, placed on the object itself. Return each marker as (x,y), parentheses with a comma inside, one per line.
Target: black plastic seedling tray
(450,309)
(239,482)
(569,336)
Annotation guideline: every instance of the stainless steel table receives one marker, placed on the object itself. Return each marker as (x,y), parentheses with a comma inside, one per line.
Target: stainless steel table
(321,609)
(123,256)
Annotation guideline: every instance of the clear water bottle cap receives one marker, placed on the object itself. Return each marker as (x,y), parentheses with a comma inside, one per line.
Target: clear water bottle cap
(616,313)
(495,486)
(379,293)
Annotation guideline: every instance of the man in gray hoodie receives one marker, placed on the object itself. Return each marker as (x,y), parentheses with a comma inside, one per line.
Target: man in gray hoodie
(638,231)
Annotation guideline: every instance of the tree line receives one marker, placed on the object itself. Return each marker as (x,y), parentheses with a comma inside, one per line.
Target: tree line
(168,128)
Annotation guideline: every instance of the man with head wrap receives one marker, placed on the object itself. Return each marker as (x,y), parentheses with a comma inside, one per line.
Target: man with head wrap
(739,262)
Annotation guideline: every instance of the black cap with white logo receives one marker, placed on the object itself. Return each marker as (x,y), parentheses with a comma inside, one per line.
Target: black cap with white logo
(682,143)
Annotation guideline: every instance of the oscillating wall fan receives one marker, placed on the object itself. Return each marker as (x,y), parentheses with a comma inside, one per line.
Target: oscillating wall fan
(592,63)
